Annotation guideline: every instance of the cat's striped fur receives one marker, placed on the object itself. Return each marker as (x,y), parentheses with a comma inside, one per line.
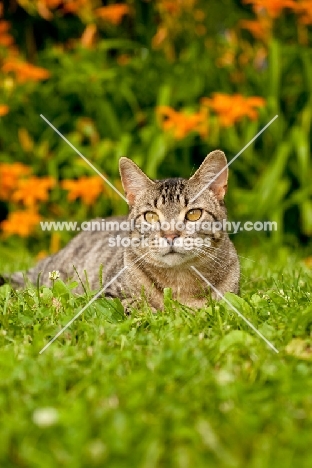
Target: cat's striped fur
(153,268)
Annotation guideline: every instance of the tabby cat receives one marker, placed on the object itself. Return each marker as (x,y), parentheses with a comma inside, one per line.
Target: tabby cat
(164,243)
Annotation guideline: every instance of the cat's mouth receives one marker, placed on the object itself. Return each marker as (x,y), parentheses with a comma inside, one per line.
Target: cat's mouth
(173,256)
(171,251)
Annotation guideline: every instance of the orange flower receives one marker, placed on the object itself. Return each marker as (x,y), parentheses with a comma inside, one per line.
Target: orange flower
(50,3)
(181,123)
(4,109)
(30,191)
(172,7)
(88,37)
(272,7)
(160,36)
(233,108)
(86,188)
(260,29)
(170,27)
(73,6)
(21,223)
(25,71)
(304,10)
(6,39)
(44,7)
(9,176)
(176,7)
(113,13)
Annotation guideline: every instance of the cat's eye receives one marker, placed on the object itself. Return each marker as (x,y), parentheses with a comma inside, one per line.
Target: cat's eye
(193,215)
(151,217)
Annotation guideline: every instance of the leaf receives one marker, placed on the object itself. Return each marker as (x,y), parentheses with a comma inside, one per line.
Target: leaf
(46,295)
(61,289)
(110,309)
(235,338)
(237,301)
(156,154)
(5,290)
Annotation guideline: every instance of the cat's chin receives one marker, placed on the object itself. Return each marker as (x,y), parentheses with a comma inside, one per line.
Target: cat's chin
(173,259)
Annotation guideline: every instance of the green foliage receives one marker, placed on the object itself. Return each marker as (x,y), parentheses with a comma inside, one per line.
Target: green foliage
(173,389)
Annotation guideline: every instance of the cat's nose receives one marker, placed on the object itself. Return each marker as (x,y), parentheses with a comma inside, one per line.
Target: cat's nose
(170,236)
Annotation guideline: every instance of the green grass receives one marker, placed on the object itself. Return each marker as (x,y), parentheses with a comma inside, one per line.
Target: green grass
(174,389)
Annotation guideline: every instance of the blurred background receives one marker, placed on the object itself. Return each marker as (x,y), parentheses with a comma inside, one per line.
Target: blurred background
(163,82)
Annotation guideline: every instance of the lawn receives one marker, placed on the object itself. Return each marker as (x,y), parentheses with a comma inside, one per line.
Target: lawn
(173,389)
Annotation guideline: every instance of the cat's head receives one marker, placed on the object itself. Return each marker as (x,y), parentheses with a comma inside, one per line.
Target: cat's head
(175,218)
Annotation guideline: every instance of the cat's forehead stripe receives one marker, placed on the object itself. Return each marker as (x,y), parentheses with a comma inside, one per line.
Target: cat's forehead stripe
(171,190)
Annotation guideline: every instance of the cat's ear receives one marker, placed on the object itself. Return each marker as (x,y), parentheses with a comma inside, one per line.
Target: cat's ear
(133,179)
(213,172)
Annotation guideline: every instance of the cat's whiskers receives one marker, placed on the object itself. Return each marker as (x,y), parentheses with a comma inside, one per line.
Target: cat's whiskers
(138,264)
(206,253)
(222,267)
